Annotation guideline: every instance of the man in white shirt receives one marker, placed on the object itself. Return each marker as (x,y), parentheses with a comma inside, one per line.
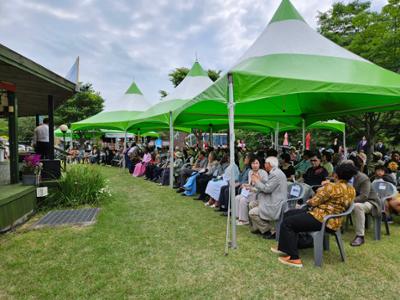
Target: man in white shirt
(41,140)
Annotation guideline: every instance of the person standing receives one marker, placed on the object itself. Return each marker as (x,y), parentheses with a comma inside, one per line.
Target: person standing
(363,145)
(380,147)
(41,141)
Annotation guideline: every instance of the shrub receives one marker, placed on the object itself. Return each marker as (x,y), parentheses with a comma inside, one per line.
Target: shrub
(81,185)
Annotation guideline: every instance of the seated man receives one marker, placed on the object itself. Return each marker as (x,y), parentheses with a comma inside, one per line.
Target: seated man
(366,201)
(272,193)
(201,163)
(316,174)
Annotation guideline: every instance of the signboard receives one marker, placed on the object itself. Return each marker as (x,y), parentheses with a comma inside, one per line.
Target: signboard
(42,192)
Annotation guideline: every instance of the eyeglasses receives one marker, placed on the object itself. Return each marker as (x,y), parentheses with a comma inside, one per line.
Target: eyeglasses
(314,160)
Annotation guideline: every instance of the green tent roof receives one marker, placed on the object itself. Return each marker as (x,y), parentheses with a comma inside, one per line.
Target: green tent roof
(197,70)
(133,89)
(118,113)
(286,11)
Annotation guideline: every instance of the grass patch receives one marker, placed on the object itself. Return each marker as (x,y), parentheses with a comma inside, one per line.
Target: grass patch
(151,243)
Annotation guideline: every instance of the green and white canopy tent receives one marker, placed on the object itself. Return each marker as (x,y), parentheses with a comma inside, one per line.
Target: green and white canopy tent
(292,74)
(117,113)
(160,116)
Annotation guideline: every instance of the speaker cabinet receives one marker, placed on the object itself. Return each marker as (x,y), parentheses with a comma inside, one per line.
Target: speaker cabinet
(51,169)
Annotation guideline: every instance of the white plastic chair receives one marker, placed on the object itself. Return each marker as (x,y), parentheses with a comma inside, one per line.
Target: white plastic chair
(296,192)
(385,190)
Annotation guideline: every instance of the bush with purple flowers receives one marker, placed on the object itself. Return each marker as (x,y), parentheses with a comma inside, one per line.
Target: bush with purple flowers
(31,165)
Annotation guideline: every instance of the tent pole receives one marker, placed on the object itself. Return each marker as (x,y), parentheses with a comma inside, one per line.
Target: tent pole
(124,160)
(210,136)
(171,151)
(232,161)
(344,143)
(303,135)
(272,139)
(277,137)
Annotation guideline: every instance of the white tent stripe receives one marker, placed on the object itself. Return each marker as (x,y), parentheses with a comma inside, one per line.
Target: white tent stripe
(295,37)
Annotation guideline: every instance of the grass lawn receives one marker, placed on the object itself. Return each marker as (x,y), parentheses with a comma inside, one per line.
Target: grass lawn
(151,243)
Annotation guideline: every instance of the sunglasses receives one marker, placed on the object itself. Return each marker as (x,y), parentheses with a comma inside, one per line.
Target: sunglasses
(313,159)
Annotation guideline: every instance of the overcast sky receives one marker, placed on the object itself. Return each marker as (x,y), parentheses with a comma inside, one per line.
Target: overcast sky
(122,40)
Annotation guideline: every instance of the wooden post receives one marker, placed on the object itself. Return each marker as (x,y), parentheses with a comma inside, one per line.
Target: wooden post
(50,111)
(37,119)
(13,136)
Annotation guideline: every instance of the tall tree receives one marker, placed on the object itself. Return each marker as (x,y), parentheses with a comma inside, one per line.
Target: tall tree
(376,37)
(82,105)
(26,126)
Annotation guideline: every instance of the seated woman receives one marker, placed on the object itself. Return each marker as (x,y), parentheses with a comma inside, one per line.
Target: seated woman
(214,186)
(287,167)
(140,168)
(243,179)
(331,198)
(211,171)
(150,168)
(247,195)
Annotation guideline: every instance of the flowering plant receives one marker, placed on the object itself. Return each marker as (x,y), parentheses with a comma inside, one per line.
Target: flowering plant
(32,165)
(393,166)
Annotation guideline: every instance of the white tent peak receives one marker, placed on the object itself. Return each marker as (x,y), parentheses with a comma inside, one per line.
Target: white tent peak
(132,100)
(288,33)
(194,83)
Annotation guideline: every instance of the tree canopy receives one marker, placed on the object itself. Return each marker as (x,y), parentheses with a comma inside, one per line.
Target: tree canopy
(176,76)
(82,105)
(374,36)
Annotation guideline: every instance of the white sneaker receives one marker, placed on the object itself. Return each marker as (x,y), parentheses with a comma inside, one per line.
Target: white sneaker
(241,223)
(206,204)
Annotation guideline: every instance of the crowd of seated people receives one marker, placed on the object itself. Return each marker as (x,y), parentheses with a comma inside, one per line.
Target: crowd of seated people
(332,180)
(87,153)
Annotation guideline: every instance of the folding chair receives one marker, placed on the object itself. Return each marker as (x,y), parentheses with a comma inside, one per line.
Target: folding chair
(385,190)
(296,192)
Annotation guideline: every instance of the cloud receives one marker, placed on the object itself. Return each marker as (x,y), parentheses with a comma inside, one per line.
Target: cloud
(119,41)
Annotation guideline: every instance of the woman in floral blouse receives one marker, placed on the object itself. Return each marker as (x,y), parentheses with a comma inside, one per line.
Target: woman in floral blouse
(331,198)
